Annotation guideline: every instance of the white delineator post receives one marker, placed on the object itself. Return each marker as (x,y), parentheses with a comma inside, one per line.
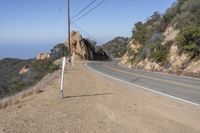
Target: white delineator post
(72,59)
(62,78)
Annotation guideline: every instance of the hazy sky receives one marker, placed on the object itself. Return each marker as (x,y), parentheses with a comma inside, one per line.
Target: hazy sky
(42,23)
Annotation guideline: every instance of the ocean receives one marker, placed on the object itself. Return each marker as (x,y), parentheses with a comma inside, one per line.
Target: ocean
(23,51)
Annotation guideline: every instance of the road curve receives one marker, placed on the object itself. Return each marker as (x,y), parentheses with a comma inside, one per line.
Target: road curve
(182,88)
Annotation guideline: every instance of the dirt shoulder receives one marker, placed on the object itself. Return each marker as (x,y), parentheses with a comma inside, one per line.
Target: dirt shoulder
(96,104)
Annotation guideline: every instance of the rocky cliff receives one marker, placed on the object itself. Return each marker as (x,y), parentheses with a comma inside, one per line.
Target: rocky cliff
(166,42)
(85,49)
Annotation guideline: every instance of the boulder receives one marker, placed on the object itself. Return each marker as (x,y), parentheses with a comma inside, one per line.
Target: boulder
(24,70)
(84,49)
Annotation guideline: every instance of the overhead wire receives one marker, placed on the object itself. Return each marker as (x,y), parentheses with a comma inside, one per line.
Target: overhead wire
(85,32)
(77,26)
(74,20)
(86,7)
(78,16)
(55,21)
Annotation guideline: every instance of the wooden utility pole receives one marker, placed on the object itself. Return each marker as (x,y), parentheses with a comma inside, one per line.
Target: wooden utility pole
(70,54)
(69,46)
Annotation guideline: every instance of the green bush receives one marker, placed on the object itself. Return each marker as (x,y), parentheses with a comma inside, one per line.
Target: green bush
(193,50)
(44,66)
(53,67)
(189,41)
(187,13)
(130,52)
(138,32)
(59,50)
(159,53)
(18,86)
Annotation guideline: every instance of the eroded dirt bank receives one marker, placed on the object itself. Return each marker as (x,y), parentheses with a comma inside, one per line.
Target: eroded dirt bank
(95,104)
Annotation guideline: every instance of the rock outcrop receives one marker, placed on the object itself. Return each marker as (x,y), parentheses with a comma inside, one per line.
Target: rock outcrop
(170,34)
(43,56)
(83,49)
(170,42)
(133,48)
(24,70)
(78,46)
(176,62)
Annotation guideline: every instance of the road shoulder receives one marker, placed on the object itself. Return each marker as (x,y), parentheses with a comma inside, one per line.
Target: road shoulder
(94,103)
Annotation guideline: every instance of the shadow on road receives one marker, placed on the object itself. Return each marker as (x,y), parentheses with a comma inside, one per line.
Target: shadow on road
(91,95)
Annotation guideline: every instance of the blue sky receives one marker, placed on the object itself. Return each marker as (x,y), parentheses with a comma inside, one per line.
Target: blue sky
(31,26)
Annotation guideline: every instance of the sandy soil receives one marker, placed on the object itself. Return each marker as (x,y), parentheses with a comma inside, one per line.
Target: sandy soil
(96,104)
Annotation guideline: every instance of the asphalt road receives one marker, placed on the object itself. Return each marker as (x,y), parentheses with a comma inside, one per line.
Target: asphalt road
(183,88)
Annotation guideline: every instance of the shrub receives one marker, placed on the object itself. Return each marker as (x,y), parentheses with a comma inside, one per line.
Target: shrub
(159,53)
(18,86)
(142,54)
(41,66)
(189,41)
(59,51)
(130,52)
(193,50)
(53,67)
(139,32)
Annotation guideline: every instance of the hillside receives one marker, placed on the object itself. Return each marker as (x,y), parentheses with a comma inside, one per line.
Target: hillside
(13,82)
(169,42)
(116,48)
(96,104)
(33,70)
(9,76)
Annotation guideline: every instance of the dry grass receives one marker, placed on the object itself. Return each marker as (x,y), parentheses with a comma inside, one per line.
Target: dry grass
(38,88)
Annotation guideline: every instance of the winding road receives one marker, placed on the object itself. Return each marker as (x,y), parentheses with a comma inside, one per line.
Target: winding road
(181,88)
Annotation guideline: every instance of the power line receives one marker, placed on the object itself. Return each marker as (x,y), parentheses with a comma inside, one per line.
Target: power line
(83,30)
(78,27)
(75,6)
(89,11)
(55,21)
(83,9)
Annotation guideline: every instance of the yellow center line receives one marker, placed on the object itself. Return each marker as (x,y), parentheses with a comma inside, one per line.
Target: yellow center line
(156,79)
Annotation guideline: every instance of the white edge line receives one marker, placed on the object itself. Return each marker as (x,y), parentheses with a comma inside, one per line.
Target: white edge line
(162,73)
(179,99)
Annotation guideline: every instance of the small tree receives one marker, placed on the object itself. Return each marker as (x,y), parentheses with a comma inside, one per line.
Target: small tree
(59,51)
(138,32)
(189,41)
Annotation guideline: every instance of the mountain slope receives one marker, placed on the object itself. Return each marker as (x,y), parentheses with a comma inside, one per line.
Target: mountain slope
(168,42)
(116,48)
(96,104)
(12,82)
(9,77)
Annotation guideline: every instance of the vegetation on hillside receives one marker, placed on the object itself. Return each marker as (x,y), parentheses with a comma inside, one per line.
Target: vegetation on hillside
(184,15)
(12,82)
(189,41)
(95,52)
(116,48)
(59,50)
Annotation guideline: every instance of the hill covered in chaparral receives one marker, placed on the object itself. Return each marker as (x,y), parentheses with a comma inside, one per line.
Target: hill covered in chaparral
(168,42)
(17,75)
(116,48)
